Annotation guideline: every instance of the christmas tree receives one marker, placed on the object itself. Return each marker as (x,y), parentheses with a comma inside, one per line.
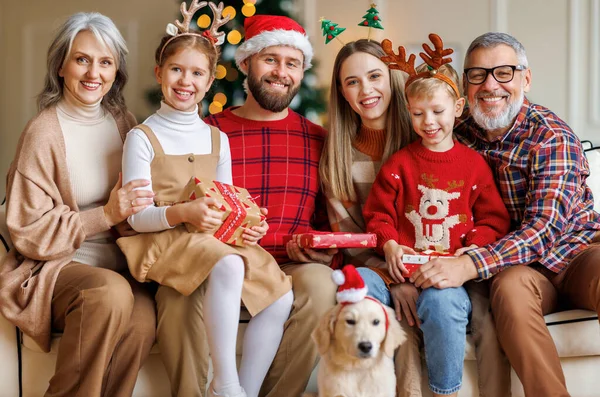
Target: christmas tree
(371,18)
(330,30)
(228,89)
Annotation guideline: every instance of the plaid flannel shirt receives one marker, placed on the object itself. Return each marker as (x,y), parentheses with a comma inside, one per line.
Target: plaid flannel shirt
(540,168)
(278,163)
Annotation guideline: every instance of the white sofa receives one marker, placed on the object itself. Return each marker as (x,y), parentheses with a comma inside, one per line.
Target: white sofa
(576,333)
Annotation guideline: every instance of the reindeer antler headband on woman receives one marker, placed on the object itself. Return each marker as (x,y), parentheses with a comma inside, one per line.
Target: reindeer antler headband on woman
(433,58)
(183,28)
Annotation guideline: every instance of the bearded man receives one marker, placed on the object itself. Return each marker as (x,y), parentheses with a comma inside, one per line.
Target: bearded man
(275,154)
(550,259)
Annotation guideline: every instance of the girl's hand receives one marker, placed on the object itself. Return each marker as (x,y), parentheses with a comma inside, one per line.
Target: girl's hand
(124,201)
(255,233)
(393,257)
(462,250)
(202,214)
(405,297)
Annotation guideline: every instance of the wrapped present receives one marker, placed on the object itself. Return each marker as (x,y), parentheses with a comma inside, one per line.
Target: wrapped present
(239,209)
(335,240)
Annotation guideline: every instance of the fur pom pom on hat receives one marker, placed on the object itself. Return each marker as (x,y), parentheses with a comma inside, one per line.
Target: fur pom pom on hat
(352,287)
(262,31)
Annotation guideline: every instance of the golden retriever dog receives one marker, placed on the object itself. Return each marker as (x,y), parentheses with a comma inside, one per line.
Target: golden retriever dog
(356,342)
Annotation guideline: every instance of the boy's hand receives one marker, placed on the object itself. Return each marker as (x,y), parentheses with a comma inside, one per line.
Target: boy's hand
(462,250)
(405,297)
(255,233)
(393,257)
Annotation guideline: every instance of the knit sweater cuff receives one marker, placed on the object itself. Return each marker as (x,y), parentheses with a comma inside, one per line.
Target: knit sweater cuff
(94,221)
(385,235)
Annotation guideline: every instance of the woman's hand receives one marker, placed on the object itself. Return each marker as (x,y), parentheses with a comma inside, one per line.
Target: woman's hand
(255,233)
(405,297)
(201,213)
(307,255)
(124,201)
(393,257)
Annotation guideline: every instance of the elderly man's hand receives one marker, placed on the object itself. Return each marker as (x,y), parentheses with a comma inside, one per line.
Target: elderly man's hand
(445,272)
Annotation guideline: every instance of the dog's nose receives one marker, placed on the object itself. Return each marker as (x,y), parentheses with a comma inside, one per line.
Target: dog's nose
(365,347)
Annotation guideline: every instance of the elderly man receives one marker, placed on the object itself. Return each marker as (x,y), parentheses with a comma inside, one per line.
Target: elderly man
(275,154)
(549,258)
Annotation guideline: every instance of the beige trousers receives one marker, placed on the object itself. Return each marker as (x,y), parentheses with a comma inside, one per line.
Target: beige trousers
(521,296)
(183,345)
(493,369)
(108,324)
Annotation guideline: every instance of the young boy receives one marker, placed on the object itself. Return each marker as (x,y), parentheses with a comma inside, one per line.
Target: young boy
(435,194)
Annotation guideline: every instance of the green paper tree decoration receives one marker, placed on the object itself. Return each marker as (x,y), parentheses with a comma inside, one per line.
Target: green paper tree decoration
(371,18)
(330,30)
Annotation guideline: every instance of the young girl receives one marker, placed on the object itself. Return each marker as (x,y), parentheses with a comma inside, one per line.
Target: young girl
(368,122)
(169,148)
(434,194)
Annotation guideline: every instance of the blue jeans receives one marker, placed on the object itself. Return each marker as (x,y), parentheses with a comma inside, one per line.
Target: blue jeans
(444,315)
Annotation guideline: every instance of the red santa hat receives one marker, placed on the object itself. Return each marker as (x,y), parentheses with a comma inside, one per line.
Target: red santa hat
(352,287)
(262,31)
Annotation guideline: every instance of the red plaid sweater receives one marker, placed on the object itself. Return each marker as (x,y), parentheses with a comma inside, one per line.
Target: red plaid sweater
(433,200)
(278,163)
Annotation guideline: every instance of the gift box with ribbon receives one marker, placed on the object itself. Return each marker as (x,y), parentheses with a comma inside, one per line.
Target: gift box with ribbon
(334,240)
(238,207)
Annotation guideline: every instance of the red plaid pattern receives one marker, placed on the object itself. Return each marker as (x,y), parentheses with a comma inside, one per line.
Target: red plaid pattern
(540,168)
(278,163)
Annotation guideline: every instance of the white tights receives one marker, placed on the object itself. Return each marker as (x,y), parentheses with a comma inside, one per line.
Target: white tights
(221,317)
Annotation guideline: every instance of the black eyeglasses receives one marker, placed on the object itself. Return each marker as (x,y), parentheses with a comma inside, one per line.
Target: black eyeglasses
(502,73)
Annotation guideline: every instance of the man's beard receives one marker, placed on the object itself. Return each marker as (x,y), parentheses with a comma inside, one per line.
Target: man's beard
(503,120)
(266,98)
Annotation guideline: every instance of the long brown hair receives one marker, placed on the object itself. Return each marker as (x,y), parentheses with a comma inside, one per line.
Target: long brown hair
(336,159)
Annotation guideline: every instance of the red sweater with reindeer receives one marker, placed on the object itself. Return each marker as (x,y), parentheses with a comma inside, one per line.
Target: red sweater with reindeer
(436,200)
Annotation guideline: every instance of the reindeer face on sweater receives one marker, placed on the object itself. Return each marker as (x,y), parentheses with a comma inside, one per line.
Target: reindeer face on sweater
(434,203)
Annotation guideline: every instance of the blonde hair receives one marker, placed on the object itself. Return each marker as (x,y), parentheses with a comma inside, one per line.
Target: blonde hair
(426,86)
(107,33)
(344,124)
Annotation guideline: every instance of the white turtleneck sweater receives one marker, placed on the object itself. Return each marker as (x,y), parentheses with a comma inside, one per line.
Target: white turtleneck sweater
(94,150)
(178,133)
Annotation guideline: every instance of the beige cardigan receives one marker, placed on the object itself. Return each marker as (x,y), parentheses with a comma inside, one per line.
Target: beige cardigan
(44,223)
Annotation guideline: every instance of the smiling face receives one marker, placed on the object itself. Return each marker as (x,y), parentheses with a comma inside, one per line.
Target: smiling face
(184,78)
(274,76)
(493,105)
(89,69)
(365,84)
(433,117)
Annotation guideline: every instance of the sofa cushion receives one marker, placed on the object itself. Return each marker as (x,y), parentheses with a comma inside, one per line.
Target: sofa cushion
(576,333)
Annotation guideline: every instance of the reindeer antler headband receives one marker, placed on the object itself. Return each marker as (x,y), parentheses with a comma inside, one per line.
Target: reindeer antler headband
(433,58)
(183,28)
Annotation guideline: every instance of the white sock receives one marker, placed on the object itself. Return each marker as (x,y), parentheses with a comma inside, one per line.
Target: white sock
(221,318)
(261,341)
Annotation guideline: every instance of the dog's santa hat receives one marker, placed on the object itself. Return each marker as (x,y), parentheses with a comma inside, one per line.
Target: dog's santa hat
(352,287)
(262,31)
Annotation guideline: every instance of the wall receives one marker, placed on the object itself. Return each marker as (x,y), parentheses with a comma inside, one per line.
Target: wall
(562,38)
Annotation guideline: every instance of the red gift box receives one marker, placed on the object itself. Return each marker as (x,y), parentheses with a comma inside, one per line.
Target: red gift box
(334,240)
(239,209)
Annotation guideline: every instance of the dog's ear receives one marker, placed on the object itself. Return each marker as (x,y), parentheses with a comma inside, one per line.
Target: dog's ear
(322,334)
(395,335)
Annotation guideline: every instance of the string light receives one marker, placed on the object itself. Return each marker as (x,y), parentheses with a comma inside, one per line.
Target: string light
(220,72)
(232,75)
(229,10)
(220,98)
(249,1)
(203,21)
(248,9)
(215,107)
(234,37)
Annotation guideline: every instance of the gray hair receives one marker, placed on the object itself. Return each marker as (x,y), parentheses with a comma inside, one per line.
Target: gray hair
(494,39)
(106,32)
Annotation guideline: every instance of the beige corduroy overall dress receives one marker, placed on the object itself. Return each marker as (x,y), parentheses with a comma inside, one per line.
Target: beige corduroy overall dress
(183,260)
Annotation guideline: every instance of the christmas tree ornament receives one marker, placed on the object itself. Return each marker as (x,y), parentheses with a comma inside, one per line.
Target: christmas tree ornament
(371,20)
(331,30)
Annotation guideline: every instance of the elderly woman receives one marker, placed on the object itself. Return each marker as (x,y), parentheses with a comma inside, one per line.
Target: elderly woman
(66,273)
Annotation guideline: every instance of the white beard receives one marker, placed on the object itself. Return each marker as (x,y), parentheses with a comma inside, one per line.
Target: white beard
(503,120)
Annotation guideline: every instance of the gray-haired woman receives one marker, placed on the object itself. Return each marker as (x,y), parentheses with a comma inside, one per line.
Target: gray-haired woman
(66,273)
